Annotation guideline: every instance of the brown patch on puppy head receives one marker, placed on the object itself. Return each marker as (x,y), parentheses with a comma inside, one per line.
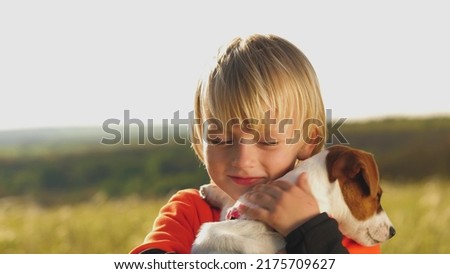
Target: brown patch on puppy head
(357,173)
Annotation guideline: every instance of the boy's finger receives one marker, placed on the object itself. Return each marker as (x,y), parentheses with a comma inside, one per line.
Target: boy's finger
(272,190)
(260,199)
(284,185)
(255,213)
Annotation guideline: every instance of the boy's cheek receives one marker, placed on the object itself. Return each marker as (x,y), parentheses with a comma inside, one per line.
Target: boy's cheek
(210,152)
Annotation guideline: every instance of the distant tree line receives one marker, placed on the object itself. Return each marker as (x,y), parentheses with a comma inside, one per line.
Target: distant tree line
(406,150)
(142,170)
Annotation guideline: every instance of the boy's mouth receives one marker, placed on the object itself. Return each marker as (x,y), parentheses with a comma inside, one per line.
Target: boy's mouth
(246,181)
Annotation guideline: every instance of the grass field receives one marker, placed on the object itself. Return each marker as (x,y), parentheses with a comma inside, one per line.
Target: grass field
(420,213)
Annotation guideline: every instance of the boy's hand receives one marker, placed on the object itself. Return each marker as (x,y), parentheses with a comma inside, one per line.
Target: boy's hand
(282,205)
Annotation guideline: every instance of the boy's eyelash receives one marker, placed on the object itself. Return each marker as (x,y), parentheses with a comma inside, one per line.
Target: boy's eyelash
(218,141)
(270,143)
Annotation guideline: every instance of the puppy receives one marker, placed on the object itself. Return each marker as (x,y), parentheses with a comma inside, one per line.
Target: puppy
(345,184)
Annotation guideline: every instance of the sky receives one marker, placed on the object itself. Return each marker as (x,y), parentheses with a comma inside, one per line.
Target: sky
(79,63)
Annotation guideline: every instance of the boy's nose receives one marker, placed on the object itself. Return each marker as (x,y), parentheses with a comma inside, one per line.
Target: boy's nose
(243,155)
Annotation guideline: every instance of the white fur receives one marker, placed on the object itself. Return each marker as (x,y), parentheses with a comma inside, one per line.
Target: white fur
(237,236)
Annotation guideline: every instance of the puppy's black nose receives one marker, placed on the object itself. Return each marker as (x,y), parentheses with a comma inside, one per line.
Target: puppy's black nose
(391,232)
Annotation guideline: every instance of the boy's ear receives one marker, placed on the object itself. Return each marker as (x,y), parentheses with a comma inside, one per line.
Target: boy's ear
(305,151)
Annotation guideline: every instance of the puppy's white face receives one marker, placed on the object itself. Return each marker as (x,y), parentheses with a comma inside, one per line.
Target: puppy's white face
(375,229)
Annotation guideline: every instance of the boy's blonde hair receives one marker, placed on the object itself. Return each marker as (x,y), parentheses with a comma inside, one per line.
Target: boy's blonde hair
(255,75)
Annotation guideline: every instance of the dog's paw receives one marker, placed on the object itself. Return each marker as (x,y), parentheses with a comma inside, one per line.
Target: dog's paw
(202,191)
(206,190)
(214,196)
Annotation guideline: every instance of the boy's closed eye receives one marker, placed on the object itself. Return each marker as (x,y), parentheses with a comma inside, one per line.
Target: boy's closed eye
(216,140)
(269,142)
(229,141)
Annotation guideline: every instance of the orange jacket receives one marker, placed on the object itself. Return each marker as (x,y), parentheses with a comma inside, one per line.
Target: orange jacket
(175,228)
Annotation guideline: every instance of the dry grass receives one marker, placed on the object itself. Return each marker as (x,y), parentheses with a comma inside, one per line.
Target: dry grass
(421,215)
(99,226)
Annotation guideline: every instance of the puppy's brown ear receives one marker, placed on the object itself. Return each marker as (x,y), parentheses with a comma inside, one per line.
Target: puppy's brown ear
(356,165)
(370,172)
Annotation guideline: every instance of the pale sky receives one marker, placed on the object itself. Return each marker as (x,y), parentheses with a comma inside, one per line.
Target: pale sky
(78,63)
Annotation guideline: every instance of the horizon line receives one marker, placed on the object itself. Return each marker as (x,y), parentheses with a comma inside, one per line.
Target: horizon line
(348,120)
